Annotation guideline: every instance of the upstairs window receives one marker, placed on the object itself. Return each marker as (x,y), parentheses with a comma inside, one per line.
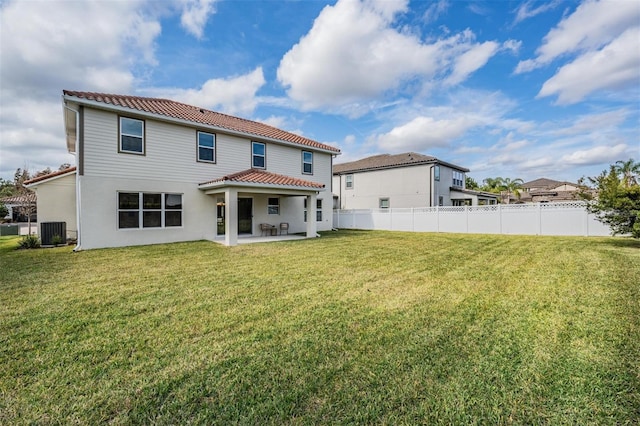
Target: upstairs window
(258,155)
(436,173)
(348,181)
(458,179)
(206,147)
(131,136)
(383,203)
(307,162)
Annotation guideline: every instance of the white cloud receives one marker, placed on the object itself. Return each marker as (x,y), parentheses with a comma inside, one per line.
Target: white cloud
(434,11)
(195,14)
(423,133)
(470,61)
(526,9)
(233,95)
(356,53)
(592,25)
(596,155)
(598,122)
(87,45)
(615,66)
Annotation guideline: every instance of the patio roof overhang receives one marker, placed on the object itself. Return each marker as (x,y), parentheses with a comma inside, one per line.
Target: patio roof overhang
(261,181)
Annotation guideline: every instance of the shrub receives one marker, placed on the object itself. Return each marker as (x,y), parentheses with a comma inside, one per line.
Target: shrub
(56,239)
(29,242)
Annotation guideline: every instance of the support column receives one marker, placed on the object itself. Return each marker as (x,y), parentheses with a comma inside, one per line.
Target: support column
(312,227)
(231,217)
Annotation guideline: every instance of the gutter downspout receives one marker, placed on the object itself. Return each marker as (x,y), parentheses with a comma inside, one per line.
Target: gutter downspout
(78,192)
(431,177)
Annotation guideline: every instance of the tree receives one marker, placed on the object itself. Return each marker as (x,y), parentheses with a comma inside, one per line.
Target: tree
(470,183)
(503,186)
(511,187)
(4,211)
(7,188)
(629,171)
(615,197)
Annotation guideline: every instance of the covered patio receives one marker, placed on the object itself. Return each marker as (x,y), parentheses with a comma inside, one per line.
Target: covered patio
(240,194)
(251,239)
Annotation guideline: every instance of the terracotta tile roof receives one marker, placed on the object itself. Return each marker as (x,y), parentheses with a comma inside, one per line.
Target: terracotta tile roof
(264,177)
(384,161)
(18,199)
(173,109)
(50,175)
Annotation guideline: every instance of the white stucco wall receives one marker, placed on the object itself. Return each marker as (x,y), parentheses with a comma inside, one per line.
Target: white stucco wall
(57,202)
(405,187)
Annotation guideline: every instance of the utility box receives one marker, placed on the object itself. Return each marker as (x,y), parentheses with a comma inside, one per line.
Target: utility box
(52,233)
(9,229)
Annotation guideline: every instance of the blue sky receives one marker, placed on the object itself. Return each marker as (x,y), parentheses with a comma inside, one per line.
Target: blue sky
(519,89)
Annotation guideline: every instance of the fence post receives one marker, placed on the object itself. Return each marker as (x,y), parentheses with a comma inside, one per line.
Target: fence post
(413,219)
(500,217)
(540,219)
(466,213)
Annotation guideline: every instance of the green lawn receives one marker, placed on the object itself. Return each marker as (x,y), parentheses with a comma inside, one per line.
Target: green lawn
(351,328)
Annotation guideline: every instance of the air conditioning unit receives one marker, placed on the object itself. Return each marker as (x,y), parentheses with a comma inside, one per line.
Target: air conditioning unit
(52,233)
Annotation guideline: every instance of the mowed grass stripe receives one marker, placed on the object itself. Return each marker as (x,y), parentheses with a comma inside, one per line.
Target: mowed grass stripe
(353,327)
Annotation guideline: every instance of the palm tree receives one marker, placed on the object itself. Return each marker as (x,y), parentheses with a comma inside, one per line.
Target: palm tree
(511,187)
(492,184)
(629,170)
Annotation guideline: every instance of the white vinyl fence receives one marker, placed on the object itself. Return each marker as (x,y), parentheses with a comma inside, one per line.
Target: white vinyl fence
(566,218)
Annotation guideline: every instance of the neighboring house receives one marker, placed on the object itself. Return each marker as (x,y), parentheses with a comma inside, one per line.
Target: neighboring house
(403,181)
(56,198)
(547,190)
(156,171)
(18,206)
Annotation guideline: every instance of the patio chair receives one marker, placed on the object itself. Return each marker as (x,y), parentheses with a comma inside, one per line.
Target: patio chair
(265,229)
(284,226)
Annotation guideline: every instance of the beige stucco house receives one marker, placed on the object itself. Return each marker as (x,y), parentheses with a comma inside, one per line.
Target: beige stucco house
(154,170)
(545,190)
(56,199)
(403,181)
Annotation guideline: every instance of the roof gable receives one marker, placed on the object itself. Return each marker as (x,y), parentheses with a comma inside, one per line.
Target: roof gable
(384,161)
(197,115)
(262,177)
(48,176)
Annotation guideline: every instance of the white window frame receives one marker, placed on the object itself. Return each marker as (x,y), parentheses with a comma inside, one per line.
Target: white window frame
(308,162)
(318,209)
(348,181)
(458,179)
(140,210)
(273,208)
(121,134)
(212,148)
(436,173)
(254,155)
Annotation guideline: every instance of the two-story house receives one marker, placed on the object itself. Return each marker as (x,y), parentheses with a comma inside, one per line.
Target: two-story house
(156,171)
(403,181)
(545,190)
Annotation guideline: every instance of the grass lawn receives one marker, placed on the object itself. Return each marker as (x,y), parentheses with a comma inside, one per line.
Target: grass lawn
(352,328)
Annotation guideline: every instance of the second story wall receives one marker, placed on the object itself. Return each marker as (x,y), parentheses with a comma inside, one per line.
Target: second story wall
(171,153)
(402,186)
